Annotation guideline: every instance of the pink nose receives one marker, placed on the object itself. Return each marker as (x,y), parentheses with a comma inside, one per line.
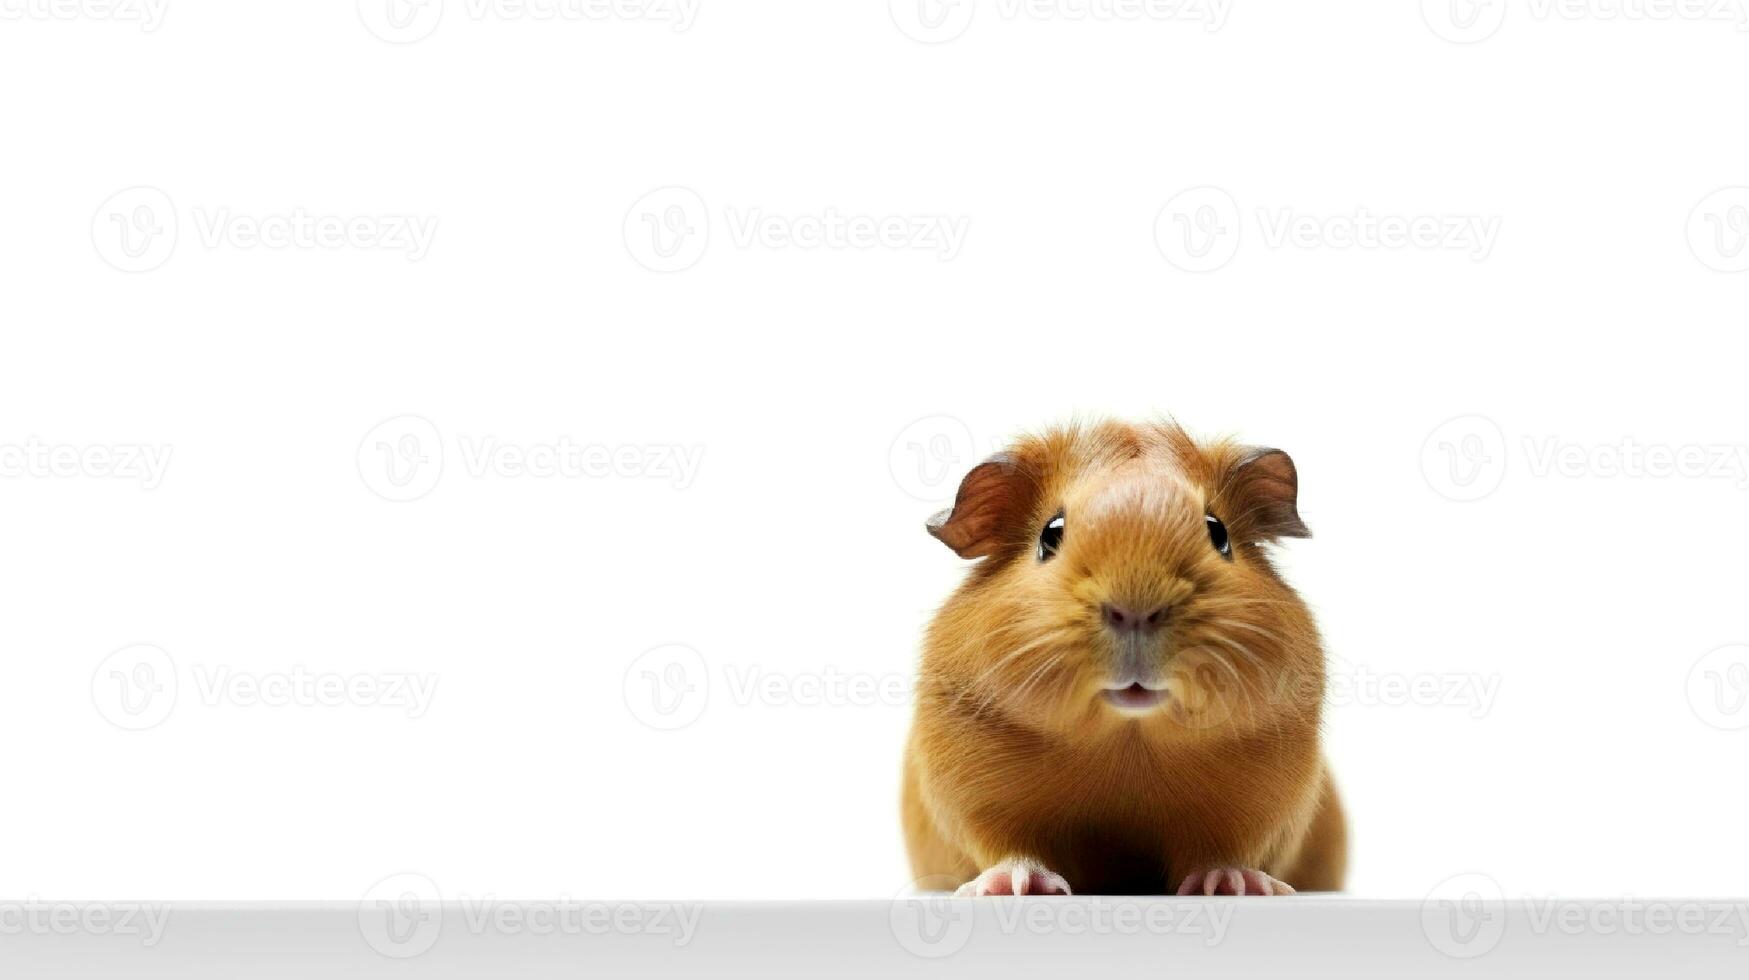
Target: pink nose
(1129,621)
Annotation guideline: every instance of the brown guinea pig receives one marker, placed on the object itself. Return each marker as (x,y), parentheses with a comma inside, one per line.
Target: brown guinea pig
(1123,696)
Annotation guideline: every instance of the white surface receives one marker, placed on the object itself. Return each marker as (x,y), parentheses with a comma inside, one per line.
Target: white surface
(796,552)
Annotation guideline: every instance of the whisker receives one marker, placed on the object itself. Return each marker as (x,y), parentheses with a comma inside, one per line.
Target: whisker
(1250,658)
(996,691)
(1047,665)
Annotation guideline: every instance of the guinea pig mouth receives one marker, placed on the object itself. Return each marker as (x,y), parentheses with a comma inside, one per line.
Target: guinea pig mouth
(1136,698)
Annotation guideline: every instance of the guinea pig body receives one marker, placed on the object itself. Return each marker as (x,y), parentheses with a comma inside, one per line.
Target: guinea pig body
(1123,697)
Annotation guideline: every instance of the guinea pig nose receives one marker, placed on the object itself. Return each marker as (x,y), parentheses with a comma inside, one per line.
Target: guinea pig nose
(1128,620)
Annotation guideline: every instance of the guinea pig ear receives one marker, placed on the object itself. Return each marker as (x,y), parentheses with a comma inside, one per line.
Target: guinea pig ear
(992,498)
(1263,488)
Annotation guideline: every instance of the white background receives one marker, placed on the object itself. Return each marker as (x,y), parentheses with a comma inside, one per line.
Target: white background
(1605,313)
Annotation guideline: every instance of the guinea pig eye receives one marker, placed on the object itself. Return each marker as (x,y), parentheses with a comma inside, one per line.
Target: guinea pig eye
(1218,536)
(1051,538)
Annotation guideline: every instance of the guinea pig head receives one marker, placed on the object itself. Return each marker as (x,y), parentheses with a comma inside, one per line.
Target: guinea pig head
(1122,580)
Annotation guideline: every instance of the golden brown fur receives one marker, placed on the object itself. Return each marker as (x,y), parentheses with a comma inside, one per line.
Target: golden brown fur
(1015,755)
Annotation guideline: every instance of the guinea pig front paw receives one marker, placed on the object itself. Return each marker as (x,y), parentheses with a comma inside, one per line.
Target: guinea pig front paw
(1015,876)
(1232,881)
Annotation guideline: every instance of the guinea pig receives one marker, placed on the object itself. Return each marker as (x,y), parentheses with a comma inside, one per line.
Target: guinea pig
(1123,696)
